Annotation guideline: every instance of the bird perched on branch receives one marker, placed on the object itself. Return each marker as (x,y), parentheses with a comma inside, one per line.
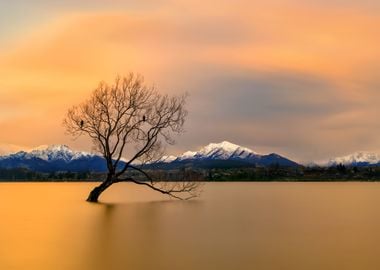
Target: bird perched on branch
(81,123)
(144,118)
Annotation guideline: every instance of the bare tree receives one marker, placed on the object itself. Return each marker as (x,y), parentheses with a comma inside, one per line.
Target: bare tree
(129,119)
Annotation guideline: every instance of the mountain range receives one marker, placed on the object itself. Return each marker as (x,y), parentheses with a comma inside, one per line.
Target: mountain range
(55,158)
(358,159)
(61,158)
(225,154)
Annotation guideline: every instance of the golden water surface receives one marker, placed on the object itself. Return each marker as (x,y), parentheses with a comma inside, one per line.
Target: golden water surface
(232,226)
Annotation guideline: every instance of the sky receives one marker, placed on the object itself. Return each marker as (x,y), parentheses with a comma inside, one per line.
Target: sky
(299,78)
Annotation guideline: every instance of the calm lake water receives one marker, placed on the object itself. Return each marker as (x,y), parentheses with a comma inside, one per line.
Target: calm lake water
(232,226)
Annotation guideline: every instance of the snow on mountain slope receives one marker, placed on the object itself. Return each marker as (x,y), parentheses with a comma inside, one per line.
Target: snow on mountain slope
(61,158)
(51,153)
(54,158)
(167,159)
(57,152)
(357,158)
(187,155)
(229,152)
(224,150)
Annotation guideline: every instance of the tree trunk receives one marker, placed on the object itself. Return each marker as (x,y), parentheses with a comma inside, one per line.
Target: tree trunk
(95,193)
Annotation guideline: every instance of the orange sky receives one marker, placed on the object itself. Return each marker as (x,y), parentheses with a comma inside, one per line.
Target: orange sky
(296,77)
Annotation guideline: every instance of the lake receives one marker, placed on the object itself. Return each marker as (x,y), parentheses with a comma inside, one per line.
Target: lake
(231,226)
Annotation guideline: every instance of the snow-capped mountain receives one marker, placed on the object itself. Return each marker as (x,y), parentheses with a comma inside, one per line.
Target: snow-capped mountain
(357,159)
(167,159)
(53,158)
(226,151)
(53,153)
(61,158)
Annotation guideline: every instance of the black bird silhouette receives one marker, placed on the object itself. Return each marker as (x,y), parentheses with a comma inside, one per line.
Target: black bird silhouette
(144,118)
(81,123)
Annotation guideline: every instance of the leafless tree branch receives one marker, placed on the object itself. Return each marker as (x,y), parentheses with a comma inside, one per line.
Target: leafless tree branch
(128,123)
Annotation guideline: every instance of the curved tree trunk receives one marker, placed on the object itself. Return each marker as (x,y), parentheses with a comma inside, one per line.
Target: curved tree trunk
(186,187)
(95,193)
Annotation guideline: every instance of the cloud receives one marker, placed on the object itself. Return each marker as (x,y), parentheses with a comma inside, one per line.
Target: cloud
(300,79)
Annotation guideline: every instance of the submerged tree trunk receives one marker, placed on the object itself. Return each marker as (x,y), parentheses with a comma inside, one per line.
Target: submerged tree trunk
(95,193)
(173,189)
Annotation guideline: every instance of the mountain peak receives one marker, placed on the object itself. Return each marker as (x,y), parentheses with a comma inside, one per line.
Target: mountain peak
(56,152)
(50,158)
(230,153)
(52,147)
(224,144)
(59,147)
(223,150)
(227,147)
(360,157)
(167,159)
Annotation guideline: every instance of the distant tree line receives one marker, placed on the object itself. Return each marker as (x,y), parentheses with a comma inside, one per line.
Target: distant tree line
(301,173)
(23,174)
(249,173)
